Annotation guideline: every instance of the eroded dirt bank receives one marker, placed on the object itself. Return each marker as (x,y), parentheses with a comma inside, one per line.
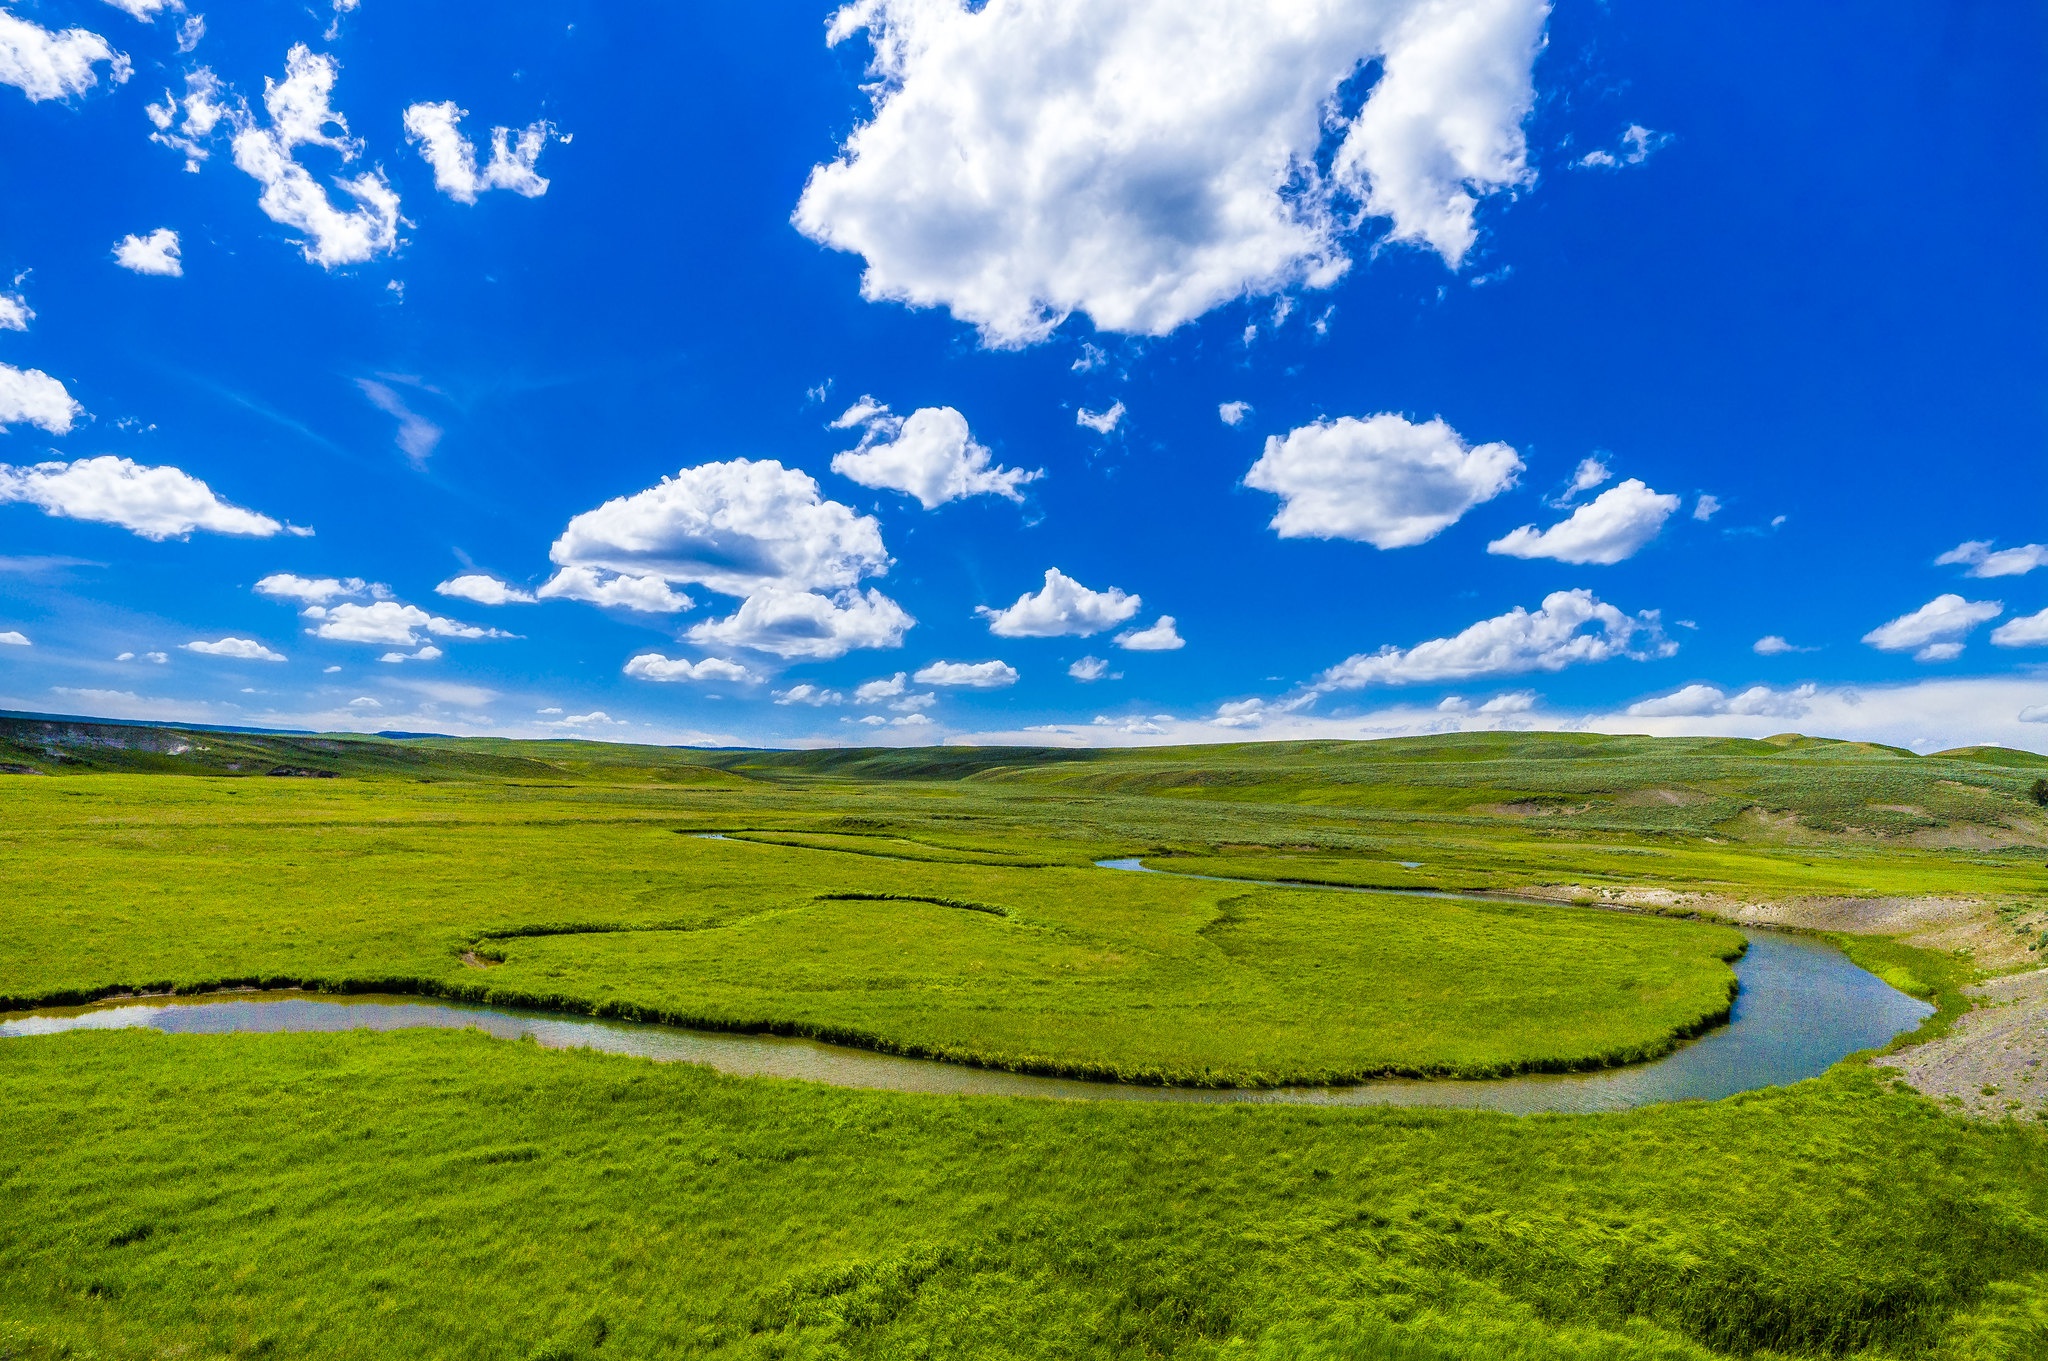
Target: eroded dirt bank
(1994,1063)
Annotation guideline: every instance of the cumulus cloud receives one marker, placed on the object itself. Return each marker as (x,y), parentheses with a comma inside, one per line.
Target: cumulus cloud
(435,130)
(1637,145)
(1706,507)
(1161,637)
(157,503)
(1061,608)
(736,527)
(806,624)
(16,638)
(1101,422)
(484,590)
(417,436)
(1590,473)
(32,397)
(1145,162)
(240,649)
(1384,480)
(2029,630)
(44,64)
(652,666)
(315,590)
(15,313)
(156,253)
(968,675)
(146,10)
(1774,645)
(807,693)
(1759,701)
(387,622)
(1233,413)
(1935,631)
(644,595)
(1978,556)
(1570,627)
(1610,528)
(928,454)
(300,116)
(1090,669)
(887,687)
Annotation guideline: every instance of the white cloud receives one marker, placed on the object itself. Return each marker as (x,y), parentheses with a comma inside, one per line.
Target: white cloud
(2006,562)
(300,114)
(968,675)
(1063,607)
(15,313)
(875,691)
(432,128)
(484,590)
(2029,630)
(1774,645)
(426,653)
(645,595)
(43,64)
(1101,422)
(16,638)
(1145,162)
(928,454)
(156,253)
(806,624)
(736,527)
(1934,632)
(241,649)
(32,397)
(1590,473)
(417,436)
(1161,637)
(1384,480)
(1638,144)
(1571,627)
(1610,528)
(1706,507)
(191,32)
(201,110)
(652,666)
(387,621)
(1512,702)
(157,503)
(806,693)
(1759,701)
(1233,413)
(146,10)
(1090,669)
(314,590)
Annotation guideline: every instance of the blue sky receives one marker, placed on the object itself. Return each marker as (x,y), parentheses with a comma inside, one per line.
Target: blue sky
(1653,368)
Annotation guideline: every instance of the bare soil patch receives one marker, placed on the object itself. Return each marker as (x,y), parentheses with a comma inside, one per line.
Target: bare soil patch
(1994,1062)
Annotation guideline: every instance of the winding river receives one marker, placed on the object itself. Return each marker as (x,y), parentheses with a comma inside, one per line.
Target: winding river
(1802,1007)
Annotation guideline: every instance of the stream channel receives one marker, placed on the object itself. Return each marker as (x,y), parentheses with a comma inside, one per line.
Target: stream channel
(1801,1008)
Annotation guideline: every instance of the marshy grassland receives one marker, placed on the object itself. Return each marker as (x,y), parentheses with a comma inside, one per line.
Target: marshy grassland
(429,1194)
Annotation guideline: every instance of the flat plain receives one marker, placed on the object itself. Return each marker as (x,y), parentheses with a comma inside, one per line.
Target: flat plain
(428,1194)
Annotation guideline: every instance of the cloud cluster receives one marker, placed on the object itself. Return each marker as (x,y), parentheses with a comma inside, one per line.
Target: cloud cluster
(387,622)
(435,130)
(1384,480)
(1638,144)
(1569,628)
(238,649)
(1162,636)
(928,454)
(317,590)
(1935,631)
(1978,556)
(747,528)
(15,313)
(32,397)
(1606,530)
(44,64)
(1698,700)
(300,115)
(968,675)
(1061,608)
(1144,162)
(652,666)
(157,503)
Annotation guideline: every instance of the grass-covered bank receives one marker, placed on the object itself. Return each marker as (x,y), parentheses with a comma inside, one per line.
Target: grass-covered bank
(597,904)
(445,1195)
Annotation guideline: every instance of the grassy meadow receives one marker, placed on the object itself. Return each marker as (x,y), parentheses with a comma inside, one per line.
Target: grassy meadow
(429,1194)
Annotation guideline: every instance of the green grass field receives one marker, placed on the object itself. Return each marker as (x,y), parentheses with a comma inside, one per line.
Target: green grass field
(428,1195)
